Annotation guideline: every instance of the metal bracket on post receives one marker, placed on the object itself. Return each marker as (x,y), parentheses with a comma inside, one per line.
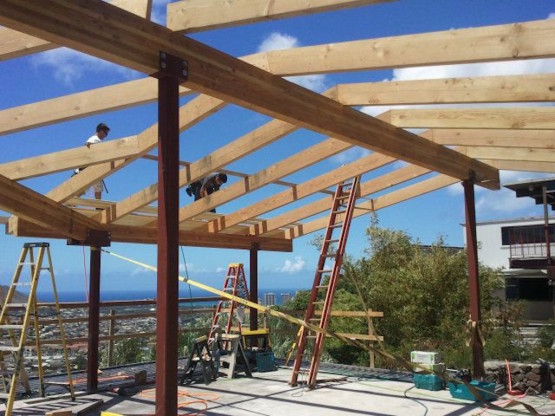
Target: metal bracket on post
(96,238)
(472,176)
(172,66)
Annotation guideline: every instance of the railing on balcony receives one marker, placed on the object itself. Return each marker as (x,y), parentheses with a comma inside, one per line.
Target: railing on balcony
(530,241)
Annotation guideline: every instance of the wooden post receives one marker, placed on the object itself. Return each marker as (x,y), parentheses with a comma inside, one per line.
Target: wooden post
(168,235)
(473,282)
(94,320)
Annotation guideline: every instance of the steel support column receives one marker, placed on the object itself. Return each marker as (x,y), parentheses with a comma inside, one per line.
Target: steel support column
(94,312)
(473,282)
(253,292)
(168,240)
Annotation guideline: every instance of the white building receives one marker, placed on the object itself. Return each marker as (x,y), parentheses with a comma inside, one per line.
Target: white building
(516,241)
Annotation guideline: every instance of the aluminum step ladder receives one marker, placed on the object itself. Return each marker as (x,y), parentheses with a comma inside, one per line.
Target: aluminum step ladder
(235,284)
(20,320)
(310,344)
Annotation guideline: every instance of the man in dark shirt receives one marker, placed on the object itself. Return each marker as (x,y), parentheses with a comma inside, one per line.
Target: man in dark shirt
(206,186)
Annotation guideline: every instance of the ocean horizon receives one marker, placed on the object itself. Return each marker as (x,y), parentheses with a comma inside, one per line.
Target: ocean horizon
(114,295)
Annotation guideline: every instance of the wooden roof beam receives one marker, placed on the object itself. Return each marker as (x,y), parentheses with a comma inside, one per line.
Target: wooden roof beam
(298,161)
(81,104)
(523,154)
(366,188)
(15,44)
(535,139)
(245,145)
(499,89)
(147,235)
(541,118)
(489,43)
(358,167)
(110,33)
(81,156)
(191,113)
(548,167)
(38,209)
(383,201)
(197,15)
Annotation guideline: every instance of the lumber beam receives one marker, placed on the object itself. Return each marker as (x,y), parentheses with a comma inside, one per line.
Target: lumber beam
(522,154)
(148,235)
(521,118)
(358,167)
(369,187)
(241,147)
(38,209)
(15,44)
(383,201)
(548,167)
(191,113)
(81,104)
(70,159)
(524,40)
(196,15)
(129,40)
(534,139)
(285,167)
(499,89)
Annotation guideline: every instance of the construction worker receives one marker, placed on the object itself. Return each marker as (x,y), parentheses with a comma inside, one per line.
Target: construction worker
(101,133)
(203,187)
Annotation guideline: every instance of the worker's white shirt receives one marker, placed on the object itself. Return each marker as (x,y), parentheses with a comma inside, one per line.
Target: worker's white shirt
(93,140)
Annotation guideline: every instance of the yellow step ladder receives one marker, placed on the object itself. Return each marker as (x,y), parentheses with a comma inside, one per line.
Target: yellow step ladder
(17,325)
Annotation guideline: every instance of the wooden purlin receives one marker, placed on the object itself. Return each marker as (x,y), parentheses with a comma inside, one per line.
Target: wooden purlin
(131,41)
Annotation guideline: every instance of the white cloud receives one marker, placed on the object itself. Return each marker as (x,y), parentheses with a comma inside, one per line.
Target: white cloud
(551,16)
(292,266)
(220,269)
(69,66)
(277,41)
(350,155)
(141,270)
(502,201)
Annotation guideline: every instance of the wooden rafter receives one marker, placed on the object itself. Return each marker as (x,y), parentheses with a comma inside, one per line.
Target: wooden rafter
(536,139)
(15,44)
(500,89)
(496,43)
(129,40)
(474,118)
(196,15)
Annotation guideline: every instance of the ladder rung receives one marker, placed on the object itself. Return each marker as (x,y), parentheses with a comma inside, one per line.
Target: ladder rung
(11,326)
(8,348)
(27,263)
(338,212)
(22,284)
(322,286)
(337,225)
(57,383)
(4,395)
(15,305)
(331,254)
(332,241)
(325,270)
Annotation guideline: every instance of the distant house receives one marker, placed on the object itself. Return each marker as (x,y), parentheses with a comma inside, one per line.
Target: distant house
(525,250)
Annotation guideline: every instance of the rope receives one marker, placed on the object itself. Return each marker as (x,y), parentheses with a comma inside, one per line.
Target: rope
(265,309)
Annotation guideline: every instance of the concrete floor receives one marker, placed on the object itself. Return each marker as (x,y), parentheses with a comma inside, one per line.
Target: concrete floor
(269,394)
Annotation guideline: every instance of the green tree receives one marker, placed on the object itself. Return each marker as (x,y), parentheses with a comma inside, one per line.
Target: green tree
(128,351)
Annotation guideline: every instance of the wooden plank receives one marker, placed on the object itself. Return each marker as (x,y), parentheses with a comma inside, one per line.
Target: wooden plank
(541,118)
(148,235)
(243,146)
(280,169)
(72,106)
(196,15)
(367,188)
(15,44)
(522,154)
(535,139)
(502,89)
(191,113)
(525,40)
(70,159)
(548,167)
(32,206)
(409,192)
(358,167)
(128,40)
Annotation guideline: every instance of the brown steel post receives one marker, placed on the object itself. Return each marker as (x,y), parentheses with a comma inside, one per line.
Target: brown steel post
(94,319)
(473,282)
(168,242)
(253,292)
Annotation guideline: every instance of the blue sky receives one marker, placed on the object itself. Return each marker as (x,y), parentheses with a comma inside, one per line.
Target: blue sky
(60,72)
